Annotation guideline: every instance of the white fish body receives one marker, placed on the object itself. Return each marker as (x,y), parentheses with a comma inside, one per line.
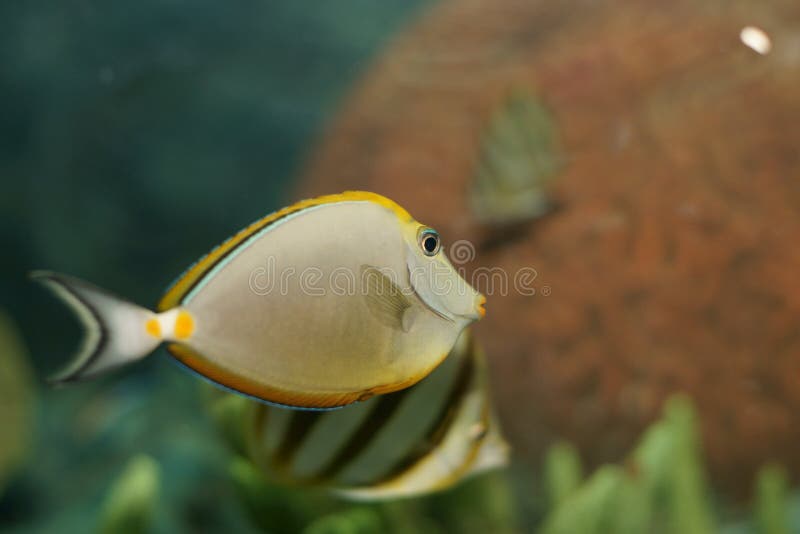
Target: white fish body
(326,302)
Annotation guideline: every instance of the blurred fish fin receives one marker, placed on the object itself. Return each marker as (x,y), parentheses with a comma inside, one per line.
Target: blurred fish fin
(116,332)
(494,452)
(385,300)
(519,159)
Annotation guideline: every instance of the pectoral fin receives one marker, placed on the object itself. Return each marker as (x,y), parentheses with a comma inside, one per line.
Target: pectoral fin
(385,300)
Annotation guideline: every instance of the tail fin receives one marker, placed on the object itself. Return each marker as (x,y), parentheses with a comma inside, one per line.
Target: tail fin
(116,332)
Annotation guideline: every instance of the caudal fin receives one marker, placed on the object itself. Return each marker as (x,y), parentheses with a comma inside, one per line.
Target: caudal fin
(116,332)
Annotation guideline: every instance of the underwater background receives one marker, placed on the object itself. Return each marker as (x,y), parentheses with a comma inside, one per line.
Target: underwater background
(648,168)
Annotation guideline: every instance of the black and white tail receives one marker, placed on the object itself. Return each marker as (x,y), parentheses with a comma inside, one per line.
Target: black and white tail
(116,331)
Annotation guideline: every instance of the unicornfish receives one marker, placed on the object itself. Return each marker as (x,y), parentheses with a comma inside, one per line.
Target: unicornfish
(321,304)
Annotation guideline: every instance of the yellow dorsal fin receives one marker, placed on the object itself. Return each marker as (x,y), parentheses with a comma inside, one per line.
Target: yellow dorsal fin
(195,273)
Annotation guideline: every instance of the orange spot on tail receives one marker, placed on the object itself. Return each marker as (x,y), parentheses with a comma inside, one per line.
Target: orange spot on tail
(184,325)
(153,328)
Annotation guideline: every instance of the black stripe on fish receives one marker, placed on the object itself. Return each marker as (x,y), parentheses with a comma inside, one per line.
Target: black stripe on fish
(272,427)
(385,406)
(299,427)
(438,431)
(255,447)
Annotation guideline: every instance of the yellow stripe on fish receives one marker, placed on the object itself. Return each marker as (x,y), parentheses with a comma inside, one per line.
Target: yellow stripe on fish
(326,302)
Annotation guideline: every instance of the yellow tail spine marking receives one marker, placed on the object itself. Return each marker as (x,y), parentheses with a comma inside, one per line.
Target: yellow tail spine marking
(153,328)
(184,325)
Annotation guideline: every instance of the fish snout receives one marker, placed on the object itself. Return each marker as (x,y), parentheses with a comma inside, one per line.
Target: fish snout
(480,302)
(477,310)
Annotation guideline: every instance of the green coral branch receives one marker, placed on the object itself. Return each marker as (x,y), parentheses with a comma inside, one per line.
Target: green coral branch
(662,488)
(771,509)
(130,505)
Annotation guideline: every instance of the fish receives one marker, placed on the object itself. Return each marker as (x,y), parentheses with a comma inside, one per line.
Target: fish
(324,303)
(420,440)
(519,160)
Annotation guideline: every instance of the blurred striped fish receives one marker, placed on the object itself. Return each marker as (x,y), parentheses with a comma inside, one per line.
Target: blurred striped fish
(418,440)
(519,161)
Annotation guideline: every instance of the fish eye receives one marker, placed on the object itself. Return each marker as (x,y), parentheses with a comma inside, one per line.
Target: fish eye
(429,241)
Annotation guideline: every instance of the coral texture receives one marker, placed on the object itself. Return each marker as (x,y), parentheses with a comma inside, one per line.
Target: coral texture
(672,262)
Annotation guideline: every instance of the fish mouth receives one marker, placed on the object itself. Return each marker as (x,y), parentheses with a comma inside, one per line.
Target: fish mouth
(479,312)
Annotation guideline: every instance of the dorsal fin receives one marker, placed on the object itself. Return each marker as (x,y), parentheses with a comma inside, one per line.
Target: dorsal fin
(189,279)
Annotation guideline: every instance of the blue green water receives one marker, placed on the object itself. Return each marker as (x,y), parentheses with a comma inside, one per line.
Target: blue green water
(135,136)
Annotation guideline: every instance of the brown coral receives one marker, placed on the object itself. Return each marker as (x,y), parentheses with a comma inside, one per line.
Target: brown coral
(673,262)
